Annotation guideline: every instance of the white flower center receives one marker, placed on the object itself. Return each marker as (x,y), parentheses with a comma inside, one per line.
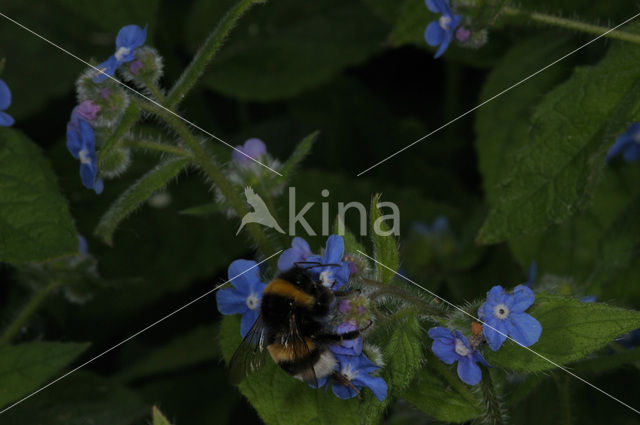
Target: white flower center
(326,278)
(253,301)
(84,156)
(121,53)
(445,21)
(348,373)
(461,348)
(501,311)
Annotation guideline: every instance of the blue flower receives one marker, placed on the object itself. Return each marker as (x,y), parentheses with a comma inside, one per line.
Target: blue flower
(627,144)
(6,120)
(505,316)
(588,299)
(441,32)
(252,148)
(352,347)
(81,143)
(246,295)
(329,269)
(451,348)
(357,370)
(129,38)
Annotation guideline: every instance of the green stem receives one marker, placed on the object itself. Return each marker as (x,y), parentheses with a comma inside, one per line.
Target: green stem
(208,164)
(564,397)
(129,118)
(211,45)
(156,146)
(36,300)
(571,24)
(383,290)
(155,91)
(494,413)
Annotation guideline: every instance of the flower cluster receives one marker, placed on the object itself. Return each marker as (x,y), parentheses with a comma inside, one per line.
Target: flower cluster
(503,316)
(81,143)
(627,145)
(6,120)
(353,368)
(129,38)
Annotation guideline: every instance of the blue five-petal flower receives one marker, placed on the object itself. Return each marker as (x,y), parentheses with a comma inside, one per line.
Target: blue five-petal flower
(129,38)
(451,348)
(6,120)
(81,143)
(440,32)
(504,315)
(358,371)
(627,145)
(329,269)
(245,296)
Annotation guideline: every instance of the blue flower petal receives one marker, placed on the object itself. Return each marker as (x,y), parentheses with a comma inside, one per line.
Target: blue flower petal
(334,250)
(98,186)
(468,371)
(434,34)
(445,350)
(6,120)
(342,392)
(231,301)
(248,319)
(632,153)
(108,68)
(298,252)
(439,332)
(5,96)
(241,280)
(88,174)
(375,383)
(523,297)
(524,329)
(434,5)
(74,143)
(130,37)
(495,332)
(496,295)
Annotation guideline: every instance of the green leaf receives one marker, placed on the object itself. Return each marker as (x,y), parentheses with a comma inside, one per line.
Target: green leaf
(83,398)
(203,210)
(299,45)
(553,176)
(281,399)
(24,368)
(431,394)
(385,248)
(182,352)
(35,224)
(133,197)
(570,330)
(300,152)
(503,126)
(159,418)
(403,350)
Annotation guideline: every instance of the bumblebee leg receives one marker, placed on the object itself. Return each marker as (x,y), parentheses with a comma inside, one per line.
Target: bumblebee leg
(342,380)
(347,292)
(333,337)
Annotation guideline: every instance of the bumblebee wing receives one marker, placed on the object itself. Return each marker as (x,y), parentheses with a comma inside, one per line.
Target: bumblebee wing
(301,351)
(250,354)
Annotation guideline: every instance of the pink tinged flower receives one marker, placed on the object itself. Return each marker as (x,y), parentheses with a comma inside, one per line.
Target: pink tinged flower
(463,34)
(135,66)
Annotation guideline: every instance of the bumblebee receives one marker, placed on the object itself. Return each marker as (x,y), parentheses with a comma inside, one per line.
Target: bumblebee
(292,327)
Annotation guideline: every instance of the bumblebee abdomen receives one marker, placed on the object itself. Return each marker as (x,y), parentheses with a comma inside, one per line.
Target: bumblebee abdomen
(282,288)
(317,361)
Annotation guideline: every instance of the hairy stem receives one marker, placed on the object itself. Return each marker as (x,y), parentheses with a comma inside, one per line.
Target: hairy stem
(209,165)
(494,412)
(34,303)
(192,73)
(156,146)
(572,24)
(129,118)
(394,291)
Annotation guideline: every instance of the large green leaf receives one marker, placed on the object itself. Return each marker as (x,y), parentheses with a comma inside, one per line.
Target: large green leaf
(553,176)
(503,126)
(286,47)
(571,329)
(24,368)
(35,224)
